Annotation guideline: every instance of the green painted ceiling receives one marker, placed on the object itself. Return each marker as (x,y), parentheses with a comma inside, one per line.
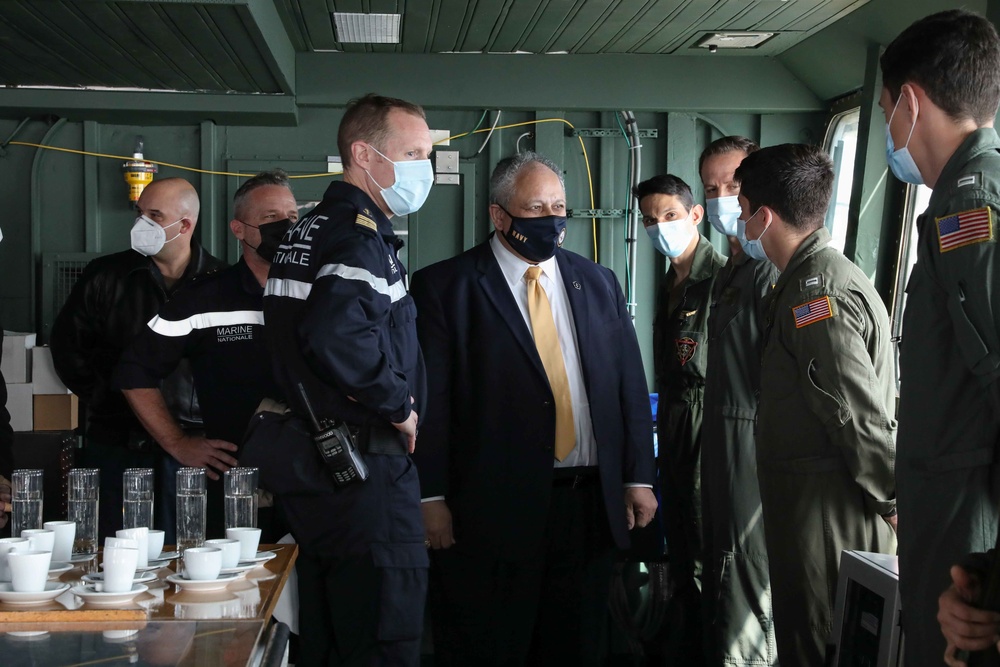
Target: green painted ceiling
(248,46)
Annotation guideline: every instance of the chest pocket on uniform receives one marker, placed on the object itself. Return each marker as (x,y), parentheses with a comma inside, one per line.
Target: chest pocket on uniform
(403,333)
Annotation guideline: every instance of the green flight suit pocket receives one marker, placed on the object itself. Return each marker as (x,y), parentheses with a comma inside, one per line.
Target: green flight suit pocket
(971,346)
(830,408)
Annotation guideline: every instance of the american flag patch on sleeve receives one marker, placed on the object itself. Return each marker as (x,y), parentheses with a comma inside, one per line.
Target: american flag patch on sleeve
(812,311)
(962,229)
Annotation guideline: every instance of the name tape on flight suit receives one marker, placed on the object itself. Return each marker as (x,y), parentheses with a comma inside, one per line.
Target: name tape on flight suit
(813,311)
(961,229)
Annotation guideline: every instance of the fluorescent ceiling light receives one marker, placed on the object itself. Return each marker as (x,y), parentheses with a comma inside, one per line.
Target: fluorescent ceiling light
(353,28)
(734,40)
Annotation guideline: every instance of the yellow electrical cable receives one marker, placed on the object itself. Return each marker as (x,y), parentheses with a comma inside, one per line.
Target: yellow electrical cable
(586,160)
(162,164)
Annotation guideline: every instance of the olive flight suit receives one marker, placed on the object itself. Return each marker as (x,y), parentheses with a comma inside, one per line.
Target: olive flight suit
(736,601)
(949,410)
(825,438)
(680,358)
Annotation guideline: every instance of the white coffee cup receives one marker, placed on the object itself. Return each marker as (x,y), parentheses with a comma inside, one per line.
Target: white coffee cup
(42,539)
(65,533)
(155,545)
(230,550)
(249,539)
(202,563)
(141,536)
(6,544)
(119,568)
(29,569)
(120,542)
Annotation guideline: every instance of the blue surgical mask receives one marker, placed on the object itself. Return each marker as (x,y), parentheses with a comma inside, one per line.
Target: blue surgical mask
(672,238)
(723,212)
(754,249)
(535,239)
(414,179)
(900,161)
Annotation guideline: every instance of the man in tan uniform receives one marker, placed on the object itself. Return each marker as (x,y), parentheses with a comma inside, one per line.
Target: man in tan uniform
(825,428)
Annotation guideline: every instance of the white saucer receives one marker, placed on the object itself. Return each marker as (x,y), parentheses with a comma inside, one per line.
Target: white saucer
(261,557)
(239,569)
(140,578)
(53,589)
(202,584)
(153,565)
(168,555)
(82,558)
(87,593)
(58,567)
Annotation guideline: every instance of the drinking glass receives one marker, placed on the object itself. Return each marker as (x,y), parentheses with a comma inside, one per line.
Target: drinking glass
(83,494)
(240,489)
(137,490)
(190,508)
(26,501)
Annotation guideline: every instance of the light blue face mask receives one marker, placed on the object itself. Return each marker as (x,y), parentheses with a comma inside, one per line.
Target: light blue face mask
(672,238)
(723,213)
(754,249)
(414,179)
(900,161)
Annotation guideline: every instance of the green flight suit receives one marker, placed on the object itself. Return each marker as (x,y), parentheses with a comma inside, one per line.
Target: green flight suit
(825,438)
(680,358)
(736,584)
(949,412)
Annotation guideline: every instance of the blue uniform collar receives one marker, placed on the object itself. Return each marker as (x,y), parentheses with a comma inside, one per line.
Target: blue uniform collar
(363,204)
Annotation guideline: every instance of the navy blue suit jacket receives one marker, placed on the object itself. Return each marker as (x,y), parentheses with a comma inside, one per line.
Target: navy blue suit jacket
(486,440)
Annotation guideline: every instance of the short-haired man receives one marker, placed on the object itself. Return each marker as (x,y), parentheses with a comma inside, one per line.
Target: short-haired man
(342,335)
(536,455)
(680,353)
(109,305)
(941,89)
(739,626)
(216,325)
(825,428)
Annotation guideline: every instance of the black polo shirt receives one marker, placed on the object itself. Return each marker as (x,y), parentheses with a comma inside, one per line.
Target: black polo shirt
(216,325)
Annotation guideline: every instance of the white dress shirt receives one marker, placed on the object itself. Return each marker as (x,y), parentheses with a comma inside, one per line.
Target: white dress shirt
(513,268)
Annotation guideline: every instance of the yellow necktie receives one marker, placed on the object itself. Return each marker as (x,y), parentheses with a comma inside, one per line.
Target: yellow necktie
(547,342)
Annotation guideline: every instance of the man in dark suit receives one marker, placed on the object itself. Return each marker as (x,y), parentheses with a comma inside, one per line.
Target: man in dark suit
(536,452)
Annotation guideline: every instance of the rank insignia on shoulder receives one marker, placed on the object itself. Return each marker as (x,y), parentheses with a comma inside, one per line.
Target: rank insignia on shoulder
(813,311)
(685,349)
(962,229)
(688,313)
(810,282)
(965,181)
(365,221)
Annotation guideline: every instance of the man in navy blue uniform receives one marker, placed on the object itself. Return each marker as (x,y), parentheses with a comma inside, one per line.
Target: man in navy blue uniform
(217,325)
(341,330)
(537,453)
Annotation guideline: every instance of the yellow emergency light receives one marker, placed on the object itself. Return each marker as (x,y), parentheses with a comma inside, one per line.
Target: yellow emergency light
(137,171)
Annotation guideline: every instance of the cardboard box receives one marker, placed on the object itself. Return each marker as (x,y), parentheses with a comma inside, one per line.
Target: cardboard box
(44,379)
(55,412)
(19,406)
(16,363)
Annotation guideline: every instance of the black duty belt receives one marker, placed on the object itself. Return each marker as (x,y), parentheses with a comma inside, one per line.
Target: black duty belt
(575,477)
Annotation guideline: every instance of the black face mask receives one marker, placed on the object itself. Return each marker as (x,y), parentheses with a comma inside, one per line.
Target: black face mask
(270,238)
(535,239)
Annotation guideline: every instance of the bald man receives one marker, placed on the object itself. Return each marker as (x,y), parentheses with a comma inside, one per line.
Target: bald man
(111,302)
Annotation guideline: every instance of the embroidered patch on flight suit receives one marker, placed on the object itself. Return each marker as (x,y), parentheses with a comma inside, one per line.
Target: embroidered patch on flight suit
(810,282)
(970,179)
(366,221)
(685,349)
(813,311)
(962,229)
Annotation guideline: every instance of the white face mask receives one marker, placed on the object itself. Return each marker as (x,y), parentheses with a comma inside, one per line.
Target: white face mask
(148,238)
(723,212)
(672,238)
(414,179)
